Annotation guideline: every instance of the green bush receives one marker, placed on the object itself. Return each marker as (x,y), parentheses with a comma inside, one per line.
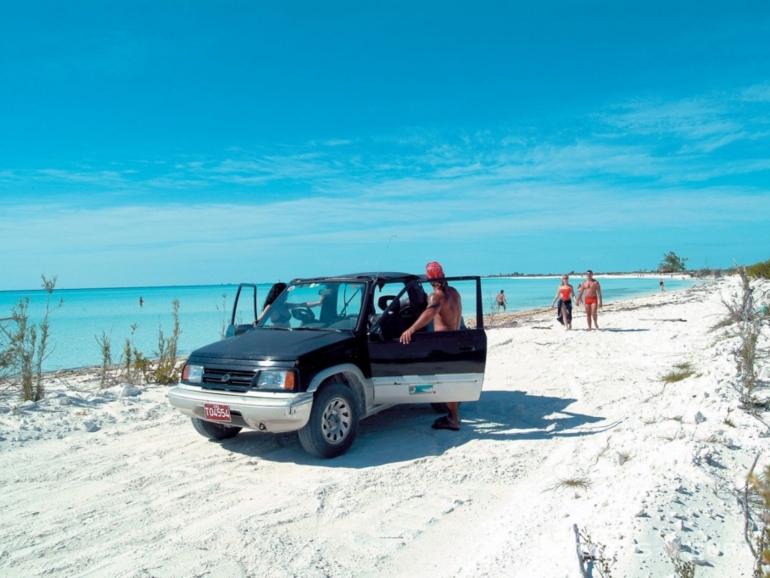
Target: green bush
(163,369)
(24,346)
(759,270)
(166,370)
(105,347)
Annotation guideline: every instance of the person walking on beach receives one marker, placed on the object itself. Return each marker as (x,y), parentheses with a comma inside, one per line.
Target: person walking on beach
(445,309)
(662,290)
(564,295)
(593,298)
(501,302)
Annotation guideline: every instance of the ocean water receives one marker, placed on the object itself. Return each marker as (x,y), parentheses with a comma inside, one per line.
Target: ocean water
(87,314)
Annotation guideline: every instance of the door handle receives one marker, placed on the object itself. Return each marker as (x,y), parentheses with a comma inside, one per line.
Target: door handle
(467,348)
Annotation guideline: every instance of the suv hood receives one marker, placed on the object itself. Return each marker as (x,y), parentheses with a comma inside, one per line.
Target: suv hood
(271,344)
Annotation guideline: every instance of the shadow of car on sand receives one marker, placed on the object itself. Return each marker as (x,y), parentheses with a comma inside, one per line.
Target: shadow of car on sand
(403,432)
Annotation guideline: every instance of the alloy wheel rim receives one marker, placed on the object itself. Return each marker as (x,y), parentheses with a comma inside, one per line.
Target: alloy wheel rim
(335,421)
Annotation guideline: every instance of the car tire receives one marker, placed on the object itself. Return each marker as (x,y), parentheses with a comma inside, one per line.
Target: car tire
(214,431)
(333,422)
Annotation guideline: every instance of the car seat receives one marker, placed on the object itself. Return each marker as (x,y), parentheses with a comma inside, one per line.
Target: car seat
(391,321)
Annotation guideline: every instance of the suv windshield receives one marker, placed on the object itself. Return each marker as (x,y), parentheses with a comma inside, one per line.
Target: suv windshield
(320,305)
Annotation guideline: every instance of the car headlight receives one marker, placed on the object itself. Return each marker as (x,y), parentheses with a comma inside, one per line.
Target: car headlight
(192,373)
(272,379)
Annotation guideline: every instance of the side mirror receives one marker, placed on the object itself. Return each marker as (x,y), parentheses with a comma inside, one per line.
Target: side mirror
(235,330)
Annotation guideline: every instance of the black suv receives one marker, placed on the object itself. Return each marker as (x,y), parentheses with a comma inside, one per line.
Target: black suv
(326,354)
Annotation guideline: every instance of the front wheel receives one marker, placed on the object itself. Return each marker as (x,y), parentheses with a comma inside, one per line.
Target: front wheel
(214,431)
(333,422)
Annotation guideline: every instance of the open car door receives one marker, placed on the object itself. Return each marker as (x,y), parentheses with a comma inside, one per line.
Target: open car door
(244,310)
(437,366)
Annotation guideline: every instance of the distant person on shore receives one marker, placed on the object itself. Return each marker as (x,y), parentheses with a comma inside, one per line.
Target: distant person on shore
(445,309)
(592,291)
(501,301)
(661,285)
(564,295)
(141,302)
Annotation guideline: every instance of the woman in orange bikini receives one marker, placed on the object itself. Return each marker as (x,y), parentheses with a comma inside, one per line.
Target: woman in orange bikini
(564,295)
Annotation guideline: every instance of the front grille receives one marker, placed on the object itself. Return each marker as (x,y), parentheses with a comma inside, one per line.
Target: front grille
(227,379)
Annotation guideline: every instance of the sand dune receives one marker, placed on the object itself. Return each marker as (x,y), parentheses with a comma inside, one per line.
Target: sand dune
(572,428)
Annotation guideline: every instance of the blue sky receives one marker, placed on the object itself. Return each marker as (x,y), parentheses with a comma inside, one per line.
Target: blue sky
(162,143)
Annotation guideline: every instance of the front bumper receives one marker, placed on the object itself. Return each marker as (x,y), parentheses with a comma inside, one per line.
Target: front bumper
(263,411)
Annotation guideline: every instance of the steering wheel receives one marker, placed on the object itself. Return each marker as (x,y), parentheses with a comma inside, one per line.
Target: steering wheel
(303,314)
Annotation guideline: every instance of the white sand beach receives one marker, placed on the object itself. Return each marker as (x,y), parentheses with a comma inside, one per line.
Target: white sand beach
(572,428)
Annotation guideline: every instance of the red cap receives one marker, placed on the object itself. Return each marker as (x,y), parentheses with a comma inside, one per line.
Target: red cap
(434,270)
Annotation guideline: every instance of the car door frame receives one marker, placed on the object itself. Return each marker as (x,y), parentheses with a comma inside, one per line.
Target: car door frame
(233,329)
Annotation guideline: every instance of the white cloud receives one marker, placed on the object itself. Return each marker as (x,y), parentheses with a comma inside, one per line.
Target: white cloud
(757,93)
(657,169)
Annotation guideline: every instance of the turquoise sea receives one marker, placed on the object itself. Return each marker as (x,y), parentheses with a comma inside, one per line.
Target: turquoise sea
(86,314)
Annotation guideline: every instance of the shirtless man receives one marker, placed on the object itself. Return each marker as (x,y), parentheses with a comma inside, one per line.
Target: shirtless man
(501,301)
(593,298)
(445,310)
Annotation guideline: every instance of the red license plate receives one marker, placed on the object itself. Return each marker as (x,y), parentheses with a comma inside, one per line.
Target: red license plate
(216,412)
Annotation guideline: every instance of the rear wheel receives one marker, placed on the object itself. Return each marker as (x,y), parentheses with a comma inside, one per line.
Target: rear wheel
(333,422)
(214,431)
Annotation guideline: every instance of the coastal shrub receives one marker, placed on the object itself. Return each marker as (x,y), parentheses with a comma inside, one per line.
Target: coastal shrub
(682,569)
(132,360)
(23,344)
(593,555)
(105,347)
(492,306)
(757,513)
(706,272)
(744,326)
(740,306)
(6,351)
(223,321)
(759,270)
(165,367)
(141,367)
(26,346)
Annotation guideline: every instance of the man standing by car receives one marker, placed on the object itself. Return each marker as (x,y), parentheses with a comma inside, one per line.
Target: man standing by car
(445,309)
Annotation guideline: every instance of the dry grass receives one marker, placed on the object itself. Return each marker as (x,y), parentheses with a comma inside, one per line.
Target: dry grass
(578,482)
(680,372)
